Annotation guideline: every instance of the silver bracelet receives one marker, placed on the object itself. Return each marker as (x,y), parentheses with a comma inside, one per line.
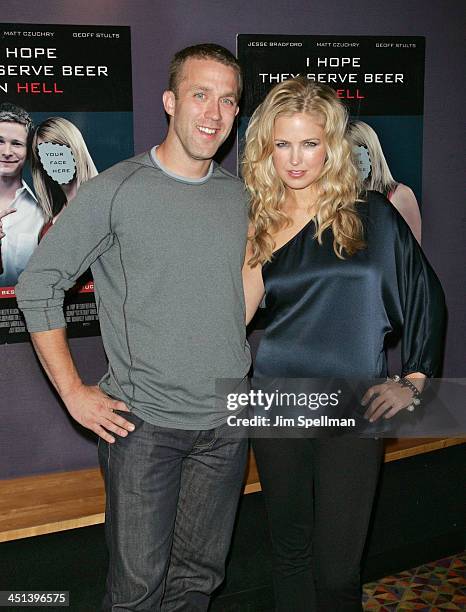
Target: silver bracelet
(405,382)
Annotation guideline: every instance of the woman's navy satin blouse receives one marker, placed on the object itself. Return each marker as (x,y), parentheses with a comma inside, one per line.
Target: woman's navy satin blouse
(329,317)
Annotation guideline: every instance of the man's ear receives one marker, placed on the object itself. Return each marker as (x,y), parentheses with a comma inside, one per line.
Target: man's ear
(169,102)
(237,110)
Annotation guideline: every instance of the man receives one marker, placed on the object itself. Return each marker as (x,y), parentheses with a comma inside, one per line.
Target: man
(21,218)
(165,234)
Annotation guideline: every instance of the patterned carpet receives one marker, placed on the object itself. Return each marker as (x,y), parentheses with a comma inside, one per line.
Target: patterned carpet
(433,587)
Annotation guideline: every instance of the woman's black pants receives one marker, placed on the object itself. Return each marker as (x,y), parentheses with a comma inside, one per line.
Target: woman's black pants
(319,495)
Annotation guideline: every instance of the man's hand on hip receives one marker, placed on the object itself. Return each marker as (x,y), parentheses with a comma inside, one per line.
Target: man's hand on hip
(95,410)
(87,404)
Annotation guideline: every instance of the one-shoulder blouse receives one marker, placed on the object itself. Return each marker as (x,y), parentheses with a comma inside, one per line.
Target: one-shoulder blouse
(327,316)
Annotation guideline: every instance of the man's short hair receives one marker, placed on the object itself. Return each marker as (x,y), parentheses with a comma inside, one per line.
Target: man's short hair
(15,114)
(209,51)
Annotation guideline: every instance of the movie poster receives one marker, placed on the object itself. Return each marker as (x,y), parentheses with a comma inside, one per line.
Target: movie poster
(74,84)
(380,79)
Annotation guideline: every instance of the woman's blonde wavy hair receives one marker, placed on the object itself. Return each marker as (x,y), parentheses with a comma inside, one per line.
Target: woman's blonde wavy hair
(59,131)
(338,185)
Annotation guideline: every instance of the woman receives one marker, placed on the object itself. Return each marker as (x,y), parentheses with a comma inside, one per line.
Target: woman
(55,193)
(380,178)
(340,271)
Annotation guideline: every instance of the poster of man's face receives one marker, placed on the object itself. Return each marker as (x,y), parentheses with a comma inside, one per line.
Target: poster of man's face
(13,149)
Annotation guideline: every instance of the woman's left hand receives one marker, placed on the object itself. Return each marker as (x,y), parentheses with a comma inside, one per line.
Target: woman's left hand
(387,399)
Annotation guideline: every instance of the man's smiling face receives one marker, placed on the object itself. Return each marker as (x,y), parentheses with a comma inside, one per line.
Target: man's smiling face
(204,108)
(13,148)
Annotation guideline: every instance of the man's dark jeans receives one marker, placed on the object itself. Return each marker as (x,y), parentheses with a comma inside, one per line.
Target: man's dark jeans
(172,496)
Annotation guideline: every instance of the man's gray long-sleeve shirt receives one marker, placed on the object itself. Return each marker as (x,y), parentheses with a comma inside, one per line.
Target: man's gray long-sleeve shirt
(166,255)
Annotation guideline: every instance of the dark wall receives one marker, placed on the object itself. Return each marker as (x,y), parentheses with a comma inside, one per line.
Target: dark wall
(35,433)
